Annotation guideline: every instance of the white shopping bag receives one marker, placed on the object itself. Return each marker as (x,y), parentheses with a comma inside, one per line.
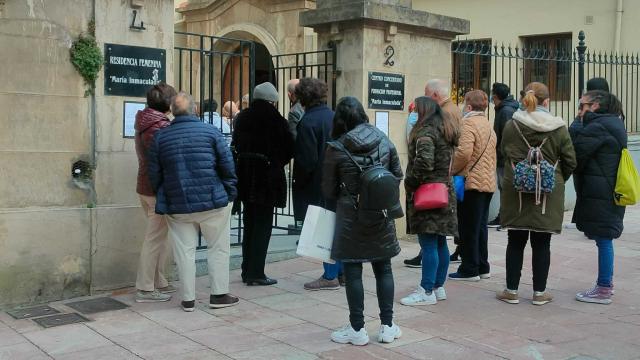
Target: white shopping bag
(316,238)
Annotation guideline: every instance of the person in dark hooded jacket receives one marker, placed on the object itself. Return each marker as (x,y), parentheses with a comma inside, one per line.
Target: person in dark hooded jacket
(151,284)
(359,240)
(504,105)
(598,147)
(263,146)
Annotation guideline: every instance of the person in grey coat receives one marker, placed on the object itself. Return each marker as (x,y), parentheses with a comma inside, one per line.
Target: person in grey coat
(296,112)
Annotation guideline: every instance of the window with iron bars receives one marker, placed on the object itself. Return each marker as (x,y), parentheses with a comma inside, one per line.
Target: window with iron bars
(548,60)
(471,67)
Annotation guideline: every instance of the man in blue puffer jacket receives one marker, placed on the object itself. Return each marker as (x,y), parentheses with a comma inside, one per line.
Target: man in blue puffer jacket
(192,172)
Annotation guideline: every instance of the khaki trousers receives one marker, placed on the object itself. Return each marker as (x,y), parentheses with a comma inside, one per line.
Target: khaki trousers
(183,232)
(153,255)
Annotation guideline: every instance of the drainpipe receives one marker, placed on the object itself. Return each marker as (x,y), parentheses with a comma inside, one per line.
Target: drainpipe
(92,186)
(619,11)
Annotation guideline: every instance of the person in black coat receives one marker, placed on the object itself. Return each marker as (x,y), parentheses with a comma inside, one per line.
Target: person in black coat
(358,240)
(598,148)
(263,146)
(313,133)
(504,105)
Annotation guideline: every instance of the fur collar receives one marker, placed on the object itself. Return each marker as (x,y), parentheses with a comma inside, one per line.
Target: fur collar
(541,121)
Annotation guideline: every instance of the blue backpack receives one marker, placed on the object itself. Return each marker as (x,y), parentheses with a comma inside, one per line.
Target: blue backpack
(534,174)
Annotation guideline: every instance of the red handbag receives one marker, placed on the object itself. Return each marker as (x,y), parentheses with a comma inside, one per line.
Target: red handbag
(431,196)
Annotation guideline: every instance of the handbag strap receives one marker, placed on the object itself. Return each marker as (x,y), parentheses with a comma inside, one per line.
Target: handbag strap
(483,151)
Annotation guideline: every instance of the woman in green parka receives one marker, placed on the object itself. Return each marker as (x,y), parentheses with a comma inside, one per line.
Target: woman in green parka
(526,215)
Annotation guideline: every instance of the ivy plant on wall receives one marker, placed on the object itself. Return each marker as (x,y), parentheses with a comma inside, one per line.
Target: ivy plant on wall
(87,58)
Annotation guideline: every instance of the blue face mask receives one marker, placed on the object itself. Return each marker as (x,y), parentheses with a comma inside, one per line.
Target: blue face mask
(413,118)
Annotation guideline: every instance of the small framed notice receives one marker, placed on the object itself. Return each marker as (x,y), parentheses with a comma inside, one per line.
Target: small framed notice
(130,110)
(382,121)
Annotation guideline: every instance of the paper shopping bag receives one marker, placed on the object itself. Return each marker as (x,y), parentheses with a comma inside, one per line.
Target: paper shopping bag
(316,238)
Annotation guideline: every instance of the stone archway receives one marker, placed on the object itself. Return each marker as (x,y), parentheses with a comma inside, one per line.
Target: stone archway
(235,85)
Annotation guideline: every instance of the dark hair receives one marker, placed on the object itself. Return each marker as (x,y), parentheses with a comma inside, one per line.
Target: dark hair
(210,106)
(349,114)
(429,111)
(598,83)
(609,103)
(159,97)
(478,100)
(500,90)
(311,92)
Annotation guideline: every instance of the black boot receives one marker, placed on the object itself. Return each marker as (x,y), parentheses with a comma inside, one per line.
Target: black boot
(415,262)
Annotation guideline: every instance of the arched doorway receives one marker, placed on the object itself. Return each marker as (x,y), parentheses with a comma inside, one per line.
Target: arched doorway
(237,72)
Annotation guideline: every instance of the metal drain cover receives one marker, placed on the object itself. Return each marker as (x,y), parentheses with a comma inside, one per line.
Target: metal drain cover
(60,319)
(31,312)
(97,305)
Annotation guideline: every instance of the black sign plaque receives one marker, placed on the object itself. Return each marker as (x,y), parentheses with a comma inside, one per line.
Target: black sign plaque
(131,70)
(386,91)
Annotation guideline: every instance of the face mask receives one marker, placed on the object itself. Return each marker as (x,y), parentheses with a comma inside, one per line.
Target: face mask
(413,118)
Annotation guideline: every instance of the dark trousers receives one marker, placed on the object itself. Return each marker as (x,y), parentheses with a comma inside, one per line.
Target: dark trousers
(474,236)
(541,258)
(355,292)
(258,220)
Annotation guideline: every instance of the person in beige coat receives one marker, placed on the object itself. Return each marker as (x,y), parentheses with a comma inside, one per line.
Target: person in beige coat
(475,159)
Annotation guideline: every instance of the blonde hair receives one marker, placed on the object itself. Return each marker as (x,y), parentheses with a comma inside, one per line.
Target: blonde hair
(535,94)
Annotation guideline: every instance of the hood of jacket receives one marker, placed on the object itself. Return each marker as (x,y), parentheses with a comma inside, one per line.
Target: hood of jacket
(362,139)
(539,120)
(509,101)
(147,118)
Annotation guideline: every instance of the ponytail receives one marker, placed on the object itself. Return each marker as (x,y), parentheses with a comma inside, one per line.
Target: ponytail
(535,94)
(530,101)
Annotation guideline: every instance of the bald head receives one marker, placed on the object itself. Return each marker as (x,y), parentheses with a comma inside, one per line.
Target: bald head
(438,90)
(183,104)
(291,89)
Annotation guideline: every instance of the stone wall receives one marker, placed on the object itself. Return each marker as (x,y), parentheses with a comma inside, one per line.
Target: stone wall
(53,243)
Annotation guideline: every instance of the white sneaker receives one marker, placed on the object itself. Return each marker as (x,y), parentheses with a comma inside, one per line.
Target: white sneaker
(419,297)
(440,293)
(485,276)
(346,335)
(389,333)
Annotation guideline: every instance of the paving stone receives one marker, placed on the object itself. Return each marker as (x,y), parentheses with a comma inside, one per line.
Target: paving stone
(122,323)
(261,320)
(274,352)
(409,335)
(308,337)
(230,339)
(23,351)
(177,320)
(102,353)
(439,349)
(287,301)
(195,355)
(368,352)
(326,315)
(9,336)
(67,339)
(157,342)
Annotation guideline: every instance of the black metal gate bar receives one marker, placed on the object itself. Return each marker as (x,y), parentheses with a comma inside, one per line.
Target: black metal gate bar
(290,66)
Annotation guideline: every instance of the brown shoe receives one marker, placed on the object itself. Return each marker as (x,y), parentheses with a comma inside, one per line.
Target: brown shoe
(342,280)
(507,297)
(322,284)
(222,301)
(541,299)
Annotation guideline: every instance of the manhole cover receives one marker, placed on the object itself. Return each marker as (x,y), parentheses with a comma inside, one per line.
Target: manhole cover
(60,319)
(93,306)
(31,312)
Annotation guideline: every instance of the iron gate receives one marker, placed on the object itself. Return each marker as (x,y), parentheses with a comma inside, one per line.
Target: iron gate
(216,70)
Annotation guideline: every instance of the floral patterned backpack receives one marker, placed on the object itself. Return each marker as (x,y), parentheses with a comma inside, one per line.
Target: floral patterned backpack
(534,174)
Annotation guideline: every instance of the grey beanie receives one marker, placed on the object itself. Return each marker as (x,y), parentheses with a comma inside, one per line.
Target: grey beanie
(266,91)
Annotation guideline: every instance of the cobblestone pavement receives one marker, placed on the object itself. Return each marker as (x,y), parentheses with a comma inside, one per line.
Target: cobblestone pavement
(286,322)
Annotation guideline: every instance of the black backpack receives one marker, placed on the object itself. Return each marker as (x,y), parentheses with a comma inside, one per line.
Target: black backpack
(379,189)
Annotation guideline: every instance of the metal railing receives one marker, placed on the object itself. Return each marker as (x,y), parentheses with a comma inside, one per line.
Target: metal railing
(565,72)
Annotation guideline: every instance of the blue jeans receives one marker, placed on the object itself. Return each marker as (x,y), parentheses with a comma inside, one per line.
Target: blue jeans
(605,261)
(435,261)
(331,271)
